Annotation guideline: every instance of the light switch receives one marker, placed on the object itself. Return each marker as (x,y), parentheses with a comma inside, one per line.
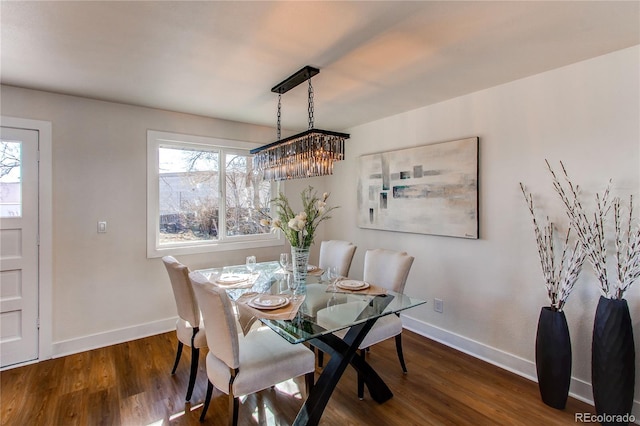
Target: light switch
(102,227)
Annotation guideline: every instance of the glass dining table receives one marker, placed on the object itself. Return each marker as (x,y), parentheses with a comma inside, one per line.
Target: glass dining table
(325,310)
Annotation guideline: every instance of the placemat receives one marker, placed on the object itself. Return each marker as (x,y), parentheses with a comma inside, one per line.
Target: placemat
(247,283)
(315,272)
(247,315)
(372,290)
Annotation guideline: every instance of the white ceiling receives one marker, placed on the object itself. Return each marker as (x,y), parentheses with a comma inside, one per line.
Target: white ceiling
(220,59)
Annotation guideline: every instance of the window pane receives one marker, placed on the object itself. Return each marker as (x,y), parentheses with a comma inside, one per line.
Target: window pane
(10,179)
(189,200)
(246,194)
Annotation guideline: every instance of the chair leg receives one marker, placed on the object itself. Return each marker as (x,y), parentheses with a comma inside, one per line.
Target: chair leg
(234,404)
(399,350)
(309,380)
(207,400)
(195,355)
(360,378)
(319,353)
(178,354)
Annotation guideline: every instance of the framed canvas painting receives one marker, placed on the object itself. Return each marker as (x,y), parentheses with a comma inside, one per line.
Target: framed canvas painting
(431,189)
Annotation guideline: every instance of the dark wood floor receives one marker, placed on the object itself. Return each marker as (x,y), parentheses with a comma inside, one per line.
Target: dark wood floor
(130,384)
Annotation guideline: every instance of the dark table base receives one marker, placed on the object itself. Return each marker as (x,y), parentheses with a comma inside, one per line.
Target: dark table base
(343,353)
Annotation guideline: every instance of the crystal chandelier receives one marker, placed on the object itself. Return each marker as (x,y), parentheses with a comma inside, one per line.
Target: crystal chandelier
(307,154)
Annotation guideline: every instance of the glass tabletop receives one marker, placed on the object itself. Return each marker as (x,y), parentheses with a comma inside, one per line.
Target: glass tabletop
(323,311)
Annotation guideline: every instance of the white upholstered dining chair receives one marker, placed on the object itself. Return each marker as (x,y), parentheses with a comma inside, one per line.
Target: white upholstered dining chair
(332,253)
(388,269)
(336,253)
(384,268)
(241,365)
(189,330)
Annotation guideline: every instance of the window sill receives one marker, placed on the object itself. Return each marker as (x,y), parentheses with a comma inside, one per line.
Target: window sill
(153,252)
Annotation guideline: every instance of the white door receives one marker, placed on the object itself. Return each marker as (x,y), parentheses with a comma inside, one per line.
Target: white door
(18,245)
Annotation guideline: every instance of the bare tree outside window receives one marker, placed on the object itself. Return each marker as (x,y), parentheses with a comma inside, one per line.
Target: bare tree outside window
(9,158)
(203,195)
(191,194)
(10,179)
(246,194)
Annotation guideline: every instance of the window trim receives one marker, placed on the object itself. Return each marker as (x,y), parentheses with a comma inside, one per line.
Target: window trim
(155,139)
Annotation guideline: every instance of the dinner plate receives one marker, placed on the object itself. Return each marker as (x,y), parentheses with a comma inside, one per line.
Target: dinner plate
(352,285)
(309,268)
(268,301)
(231,279)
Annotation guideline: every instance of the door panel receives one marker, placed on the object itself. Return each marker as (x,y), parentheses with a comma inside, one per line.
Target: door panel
(18,246)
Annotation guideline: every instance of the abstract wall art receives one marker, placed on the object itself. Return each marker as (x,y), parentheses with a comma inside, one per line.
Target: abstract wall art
(431,189)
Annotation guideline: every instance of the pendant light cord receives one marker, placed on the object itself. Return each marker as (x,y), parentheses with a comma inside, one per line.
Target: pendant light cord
(279,114)
(310,105)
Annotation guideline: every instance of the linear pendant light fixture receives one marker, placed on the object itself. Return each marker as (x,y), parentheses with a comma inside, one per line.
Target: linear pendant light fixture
(307,154)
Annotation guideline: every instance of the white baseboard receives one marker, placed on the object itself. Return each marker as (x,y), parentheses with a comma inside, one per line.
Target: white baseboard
(113,337)
(579,389)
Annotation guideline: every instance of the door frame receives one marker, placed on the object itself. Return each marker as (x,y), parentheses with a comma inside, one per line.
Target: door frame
(45,230)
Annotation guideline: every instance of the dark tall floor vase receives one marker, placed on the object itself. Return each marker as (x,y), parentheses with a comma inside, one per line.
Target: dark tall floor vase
(553,357)
(613,360)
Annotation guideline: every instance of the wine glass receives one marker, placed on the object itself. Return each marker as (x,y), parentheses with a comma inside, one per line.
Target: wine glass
(283,284)
(332,275)
(284,261)
(333,301)
(251,264)
(293,286)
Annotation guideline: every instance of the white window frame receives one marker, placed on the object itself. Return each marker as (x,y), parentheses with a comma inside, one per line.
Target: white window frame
(156,139)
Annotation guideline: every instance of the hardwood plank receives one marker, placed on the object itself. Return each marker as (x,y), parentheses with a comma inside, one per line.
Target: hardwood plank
(127,371)
(77,369)
(131,384)
(101,370)
(72,409)
(13,402)
(103,407)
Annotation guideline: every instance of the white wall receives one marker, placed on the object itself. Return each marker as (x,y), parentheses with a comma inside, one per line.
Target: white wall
(105,289)
(586,115)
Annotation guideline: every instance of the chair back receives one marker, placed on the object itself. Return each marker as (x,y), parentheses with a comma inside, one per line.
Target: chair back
(387,268)
(337,253)
(182,291)
(221,330)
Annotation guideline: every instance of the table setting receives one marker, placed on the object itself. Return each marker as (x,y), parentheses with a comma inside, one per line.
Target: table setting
(350,286)
(236,280)
(253,306)
(287,266)
(311,270)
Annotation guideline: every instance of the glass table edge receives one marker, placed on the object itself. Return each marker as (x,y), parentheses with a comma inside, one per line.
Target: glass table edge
(279,326)
(295,339)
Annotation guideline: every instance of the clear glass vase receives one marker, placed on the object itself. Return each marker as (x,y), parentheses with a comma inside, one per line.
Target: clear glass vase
(300,262)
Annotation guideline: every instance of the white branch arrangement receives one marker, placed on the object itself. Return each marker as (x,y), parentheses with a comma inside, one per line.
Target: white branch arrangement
(591,234)
(627,248)
(560,277)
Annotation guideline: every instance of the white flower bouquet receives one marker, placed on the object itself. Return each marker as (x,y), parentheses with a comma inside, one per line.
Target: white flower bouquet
(299,228)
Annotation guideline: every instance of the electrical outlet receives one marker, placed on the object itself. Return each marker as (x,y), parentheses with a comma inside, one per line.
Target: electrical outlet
(438,305)
(102,227)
